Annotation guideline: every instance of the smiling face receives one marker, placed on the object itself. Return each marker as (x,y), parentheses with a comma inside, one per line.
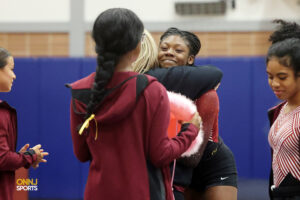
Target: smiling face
(282,81)
(7,75)
(173,51)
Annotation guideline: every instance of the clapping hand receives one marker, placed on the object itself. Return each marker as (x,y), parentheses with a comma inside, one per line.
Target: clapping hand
(38,151)
(40,155)
(24,148)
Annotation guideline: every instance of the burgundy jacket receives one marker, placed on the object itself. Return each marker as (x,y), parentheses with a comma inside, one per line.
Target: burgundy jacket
(131,134)
(10,160)
(273,114)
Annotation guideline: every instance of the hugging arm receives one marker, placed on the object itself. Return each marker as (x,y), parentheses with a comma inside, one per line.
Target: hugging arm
(191,81)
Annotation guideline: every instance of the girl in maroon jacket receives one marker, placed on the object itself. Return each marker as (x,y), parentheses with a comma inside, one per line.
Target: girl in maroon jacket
(10,160)
(119,128)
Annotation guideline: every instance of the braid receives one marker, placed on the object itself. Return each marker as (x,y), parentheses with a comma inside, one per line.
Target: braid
(104,73)
(116,31)
(284,31)
(194,42)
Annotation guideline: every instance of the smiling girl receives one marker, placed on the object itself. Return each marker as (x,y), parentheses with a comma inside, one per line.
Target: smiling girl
(283,69)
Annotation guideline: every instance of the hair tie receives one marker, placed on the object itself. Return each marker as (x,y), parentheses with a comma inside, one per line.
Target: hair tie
(86,125)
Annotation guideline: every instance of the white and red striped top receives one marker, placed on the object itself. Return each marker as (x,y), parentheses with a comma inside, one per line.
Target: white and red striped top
(284,140)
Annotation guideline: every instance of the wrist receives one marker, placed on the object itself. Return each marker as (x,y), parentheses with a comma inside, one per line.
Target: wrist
(30,152)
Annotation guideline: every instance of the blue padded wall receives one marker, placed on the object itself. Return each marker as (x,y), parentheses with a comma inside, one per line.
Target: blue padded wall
(235,100)
(55,129)
(235,108)
(42,102)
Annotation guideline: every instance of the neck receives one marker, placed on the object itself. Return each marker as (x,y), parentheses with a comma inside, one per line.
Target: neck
(123,68)
(294,101)
(125,64)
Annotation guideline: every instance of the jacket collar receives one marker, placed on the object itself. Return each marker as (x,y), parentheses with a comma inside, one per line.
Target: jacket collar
(274,112)
(4,104)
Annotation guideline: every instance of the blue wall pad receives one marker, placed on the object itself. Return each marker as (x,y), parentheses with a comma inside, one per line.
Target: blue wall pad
(43,102)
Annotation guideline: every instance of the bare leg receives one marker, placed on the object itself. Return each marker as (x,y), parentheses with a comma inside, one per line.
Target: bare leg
(191,194)
(212,193)
(221,193)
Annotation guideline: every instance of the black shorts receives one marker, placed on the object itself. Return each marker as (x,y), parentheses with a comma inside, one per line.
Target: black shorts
(289,189)
(216,168)
(287,198)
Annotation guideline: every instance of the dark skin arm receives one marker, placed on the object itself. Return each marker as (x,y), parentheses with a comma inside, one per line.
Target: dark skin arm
(208,108)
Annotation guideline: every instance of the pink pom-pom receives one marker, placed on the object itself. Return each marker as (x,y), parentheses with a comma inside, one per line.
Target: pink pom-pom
(194,147)
(181,107)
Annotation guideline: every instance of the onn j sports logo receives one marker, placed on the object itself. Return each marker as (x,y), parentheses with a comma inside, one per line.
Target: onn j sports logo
(27,184)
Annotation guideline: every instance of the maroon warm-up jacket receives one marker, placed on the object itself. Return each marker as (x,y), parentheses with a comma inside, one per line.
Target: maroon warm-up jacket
(10,160)
(132,150)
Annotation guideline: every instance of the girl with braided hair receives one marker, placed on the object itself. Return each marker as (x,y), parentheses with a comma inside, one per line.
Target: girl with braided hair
(119,118)
(283,69)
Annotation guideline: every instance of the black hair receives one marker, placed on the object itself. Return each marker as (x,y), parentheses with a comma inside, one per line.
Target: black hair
(116,31)
(285,30)
(286,45)
(191,39)
(287,52)
(4,54)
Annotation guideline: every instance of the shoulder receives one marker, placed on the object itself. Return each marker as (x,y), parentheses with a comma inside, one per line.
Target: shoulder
(209,68)
(4,106)
(277,107)
(210,96)
(81,89)
(154,89)
(84,83)
(207,71)
(5,117)
(149,77)
(274,112)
